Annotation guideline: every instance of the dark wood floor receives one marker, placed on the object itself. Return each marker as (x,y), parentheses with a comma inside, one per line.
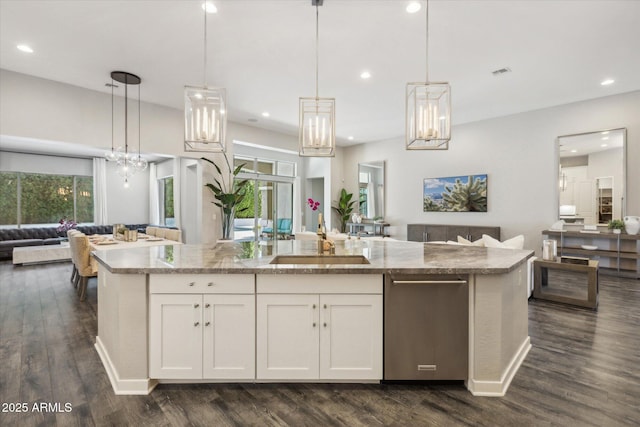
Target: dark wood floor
(583,369)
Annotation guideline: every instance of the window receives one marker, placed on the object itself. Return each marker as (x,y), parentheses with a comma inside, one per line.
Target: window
(29,198)
(266,167)
(167,216)
(8,198)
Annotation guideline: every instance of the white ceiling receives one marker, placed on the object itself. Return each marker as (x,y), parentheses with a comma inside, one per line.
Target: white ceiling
(262,52)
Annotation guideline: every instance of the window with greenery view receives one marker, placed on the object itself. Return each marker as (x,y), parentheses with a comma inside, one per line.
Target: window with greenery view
(29,198)
(167,216)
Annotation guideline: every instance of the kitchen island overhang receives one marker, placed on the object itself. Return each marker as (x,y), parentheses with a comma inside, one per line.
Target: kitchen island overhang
(498,334)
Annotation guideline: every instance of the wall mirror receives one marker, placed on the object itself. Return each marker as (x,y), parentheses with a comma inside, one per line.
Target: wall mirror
(371,189)
(592,176)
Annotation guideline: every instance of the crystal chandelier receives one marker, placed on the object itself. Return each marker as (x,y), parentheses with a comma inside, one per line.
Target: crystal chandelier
(128,163)
(317,118)
(428,116)
(205,118)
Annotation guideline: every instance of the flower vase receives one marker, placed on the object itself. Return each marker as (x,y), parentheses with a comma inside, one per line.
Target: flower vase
(227,226)
(632,224)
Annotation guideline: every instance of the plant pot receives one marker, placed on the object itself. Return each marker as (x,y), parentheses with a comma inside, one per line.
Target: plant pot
(617,231)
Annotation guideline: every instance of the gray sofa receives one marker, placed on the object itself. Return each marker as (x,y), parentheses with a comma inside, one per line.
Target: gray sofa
(19,237)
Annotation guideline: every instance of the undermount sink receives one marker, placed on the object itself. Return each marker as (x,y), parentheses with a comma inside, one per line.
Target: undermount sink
(320,259)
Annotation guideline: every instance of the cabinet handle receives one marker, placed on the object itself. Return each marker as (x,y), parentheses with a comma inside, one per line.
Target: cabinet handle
(313,306)
(196,305)
(325,324)
(325,306)
(196,324)
(192,283)
(314,324)
(429,282)
(207,305)
(210,284)
(207,323)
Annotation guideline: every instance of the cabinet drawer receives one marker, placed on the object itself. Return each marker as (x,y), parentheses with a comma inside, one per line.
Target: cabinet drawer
(319,283)
(202,283)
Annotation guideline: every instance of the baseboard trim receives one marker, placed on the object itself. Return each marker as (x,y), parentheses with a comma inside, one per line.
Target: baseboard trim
(121,386)
(499,388)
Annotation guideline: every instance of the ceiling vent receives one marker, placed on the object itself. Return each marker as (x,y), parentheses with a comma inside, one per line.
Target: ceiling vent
(501,71)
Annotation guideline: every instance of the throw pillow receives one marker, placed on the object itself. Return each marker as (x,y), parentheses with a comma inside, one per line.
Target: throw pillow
(463,241)
(513,243)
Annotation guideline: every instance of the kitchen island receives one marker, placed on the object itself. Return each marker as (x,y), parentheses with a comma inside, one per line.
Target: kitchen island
(259,312)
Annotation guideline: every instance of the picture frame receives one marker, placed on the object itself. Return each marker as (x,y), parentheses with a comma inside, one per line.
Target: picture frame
(464,193)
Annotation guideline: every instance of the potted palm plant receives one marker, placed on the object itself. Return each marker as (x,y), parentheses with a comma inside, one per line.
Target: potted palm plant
(228,193)
(344,208)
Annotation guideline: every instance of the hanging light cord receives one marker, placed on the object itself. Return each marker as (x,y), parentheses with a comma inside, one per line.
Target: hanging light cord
(427,40)
(317,49)
(126,118)
(139,123)
(112,85)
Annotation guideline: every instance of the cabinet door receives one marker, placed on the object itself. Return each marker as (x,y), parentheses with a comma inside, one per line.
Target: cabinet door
(453,231)
(229,337)
(435,233)
(351,337)
(415,232)
(477,232)
(287,337)
(175,336)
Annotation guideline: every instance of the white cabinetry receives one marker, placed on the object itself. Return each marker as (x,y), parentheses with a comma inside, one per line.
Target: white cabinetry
(325,327)
(201,327)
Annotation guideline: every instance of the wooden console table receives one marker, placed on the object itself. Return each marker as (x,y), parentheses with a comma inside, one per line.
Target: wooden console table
(617,253)
(542,284)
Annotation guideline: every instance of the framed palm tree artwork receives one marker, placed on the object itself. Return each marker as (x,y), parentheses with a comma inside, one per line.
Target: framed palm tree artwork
(467,193)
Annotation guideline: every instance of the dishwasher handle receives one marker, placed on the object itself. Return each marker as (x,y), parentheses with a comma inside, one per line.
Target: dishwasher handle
(429,282)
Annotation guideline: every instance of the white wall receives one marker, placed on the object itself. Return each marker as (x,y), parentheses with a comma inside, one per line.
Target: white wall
(518,153)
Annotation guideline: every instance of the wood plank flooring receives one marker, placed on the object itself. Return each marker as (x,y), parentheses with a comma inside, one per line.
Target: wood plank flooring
(583,370)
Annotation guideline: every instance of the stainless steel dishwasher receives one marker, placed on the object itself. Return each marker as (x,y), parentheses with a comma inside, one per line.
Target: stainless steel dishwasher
(426,327)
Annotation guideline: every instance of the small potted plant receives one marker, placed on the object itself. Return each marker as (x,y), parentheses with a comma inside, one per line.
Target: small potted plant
(616,225)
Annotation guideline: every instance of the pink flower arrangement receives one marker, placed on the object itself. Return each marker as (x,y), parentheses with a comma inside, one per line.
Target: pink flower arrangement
(313,204)
(66,225)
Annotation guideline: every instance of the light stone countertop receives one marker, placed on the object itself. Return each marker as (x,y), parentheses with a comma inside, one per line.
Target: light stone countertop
(397,257)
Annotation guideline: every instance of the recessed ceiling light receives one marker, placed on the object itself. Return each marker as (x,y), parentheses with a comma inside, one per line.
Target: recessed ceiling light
(413,7)
(607,82)
(365,75)
(604,145)
(350,138)
(209,7)
(606,132)
(198,95)
(574,151)
(443,117)
(25,48)
(265,114)
(604,138)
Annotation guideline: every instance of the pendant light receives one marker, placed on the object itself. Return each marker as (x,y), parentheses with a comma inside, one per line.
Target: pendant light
(127,164)
(317,117)
(428,115)
(205,117)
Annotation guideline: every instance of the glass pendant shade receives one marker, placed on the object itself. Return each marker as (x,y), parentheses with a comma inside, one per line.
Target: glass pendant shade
(205,119)
(428,116)
(317,127)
